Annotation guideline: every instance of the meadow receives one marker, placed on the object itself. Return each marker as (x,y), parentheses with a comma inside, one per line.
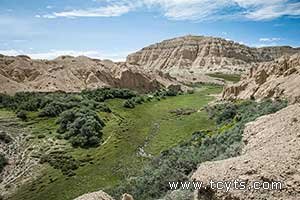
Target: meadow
(131,138)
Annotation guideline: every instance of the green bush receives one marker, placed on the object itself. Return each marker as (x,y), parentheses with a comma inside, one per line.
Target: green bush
(55,108)
(103,94)
(139,100)
(129,103)
(3,162)
(82,127)
(22,115)
(5,137)
(31,105)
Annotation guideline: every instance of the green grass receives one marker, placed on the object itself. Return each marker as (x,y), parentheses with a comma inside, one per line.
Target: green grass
(227,77)
(125,131)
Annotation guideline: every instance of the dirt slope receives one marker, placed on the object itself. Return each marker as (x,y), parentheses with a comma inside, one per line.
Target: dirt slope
(271,153)
(71,74)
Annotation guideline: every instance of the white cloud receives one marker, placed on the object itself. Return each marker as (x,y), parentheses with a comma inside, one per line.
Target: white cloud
(207,9)
(48,16)
(191,9)
(56,53)
(108,11)
(273,11)
(269,39)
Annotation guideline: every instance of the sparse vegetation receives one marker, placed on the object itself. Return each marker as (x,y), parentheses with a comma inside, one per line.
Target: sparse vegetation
(227,77)
(76,118)
(124,132)
(158,95)
(177,163)
(60,160)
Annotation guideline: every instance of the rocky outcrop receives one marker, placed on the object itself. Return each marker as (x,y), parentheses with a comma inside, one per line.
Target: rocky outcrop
(203,54)
(272,53)
(71,74)
(275,79)
(271,153)
(95,196)
(127,197)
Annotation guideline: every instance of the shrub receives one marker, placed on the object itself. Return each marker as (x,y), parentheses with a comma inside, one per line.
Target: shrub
(103,94)
(31,105)
(171,93)
(5,137)
(227,114)
(139,100)
(55,108)
(22,115)
(129,103)
(40,136)
(91,104)
(82,127)
(3,162)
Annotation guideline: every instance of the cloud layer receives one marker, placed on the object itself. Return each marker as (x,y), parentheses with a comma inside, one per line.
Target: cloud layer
(191,9)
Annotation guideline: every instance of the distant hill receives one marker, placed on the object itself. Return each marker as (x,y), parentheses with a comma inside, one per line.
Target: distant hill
(203,54)
(178,61)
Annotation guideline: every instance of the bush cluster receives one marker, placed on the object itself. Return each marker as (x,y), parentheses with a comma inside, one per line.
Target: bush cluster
(165,93)
(55,108)
(53,104)
(81,126)
(158,95)
(103,94)
(131,103)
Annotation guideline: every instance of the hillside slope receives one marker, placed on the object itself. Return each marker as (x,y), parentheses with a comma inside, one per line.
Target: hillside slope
(180,61)
(204,54)
(275,79)
(71,74)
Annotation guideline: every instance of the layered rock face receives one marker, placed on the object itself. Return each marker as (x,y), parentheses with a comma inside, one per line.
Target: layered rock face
(275,79)
(271,153)
(272,53)
(71,74)
(203,54)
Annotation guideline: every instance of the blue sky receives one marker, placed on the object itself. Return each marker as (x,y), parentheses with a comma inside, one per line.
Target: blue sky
(114,28)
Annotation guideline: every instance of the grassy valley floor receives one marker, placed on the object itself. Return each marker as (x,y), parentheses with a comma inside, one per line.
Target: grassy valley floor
(131,138)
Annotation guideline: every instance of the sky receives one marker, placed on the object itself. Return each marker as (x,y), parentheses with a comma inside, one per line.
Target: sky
(112,29)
